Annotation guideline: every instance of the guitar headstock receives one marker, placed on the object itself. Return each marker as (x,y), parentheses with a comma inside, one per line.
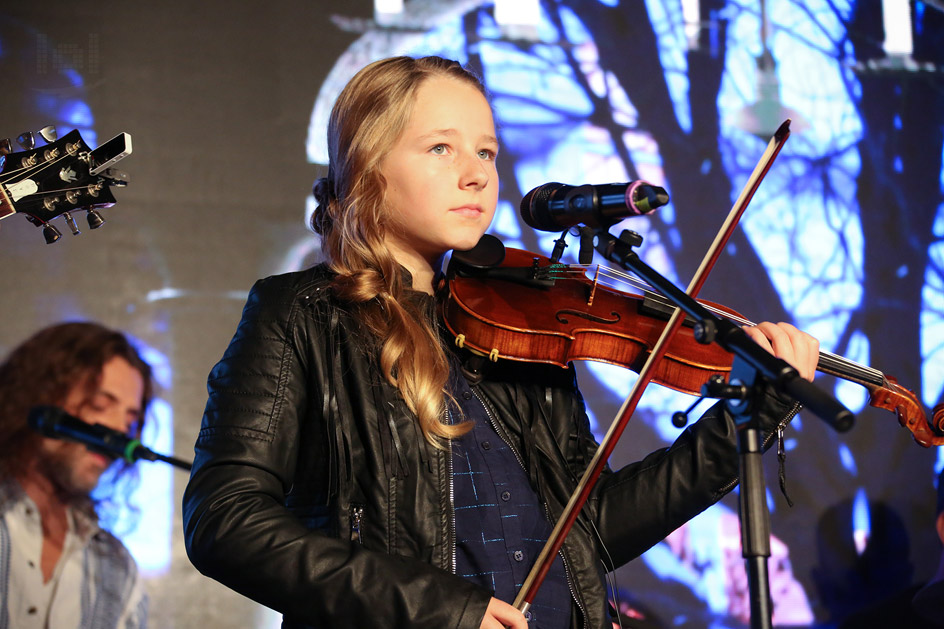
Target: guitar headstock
(59,177)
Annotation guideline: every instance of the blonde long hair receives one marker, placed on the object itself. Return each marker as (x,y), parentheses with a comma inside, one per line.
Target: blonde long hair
(366,121)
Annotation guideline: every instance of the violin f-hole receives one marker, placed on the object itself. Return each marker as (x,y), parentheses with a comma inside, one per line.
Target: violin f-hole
(561,316)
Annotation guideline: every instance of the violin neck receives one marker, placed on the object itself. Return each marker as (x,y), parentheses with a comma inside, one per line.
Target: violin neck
(848,370)
(829,363)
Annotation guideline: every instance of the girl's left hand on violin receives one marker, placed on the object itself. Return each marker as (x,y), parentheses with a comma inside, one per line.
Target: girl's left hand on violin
(785,341)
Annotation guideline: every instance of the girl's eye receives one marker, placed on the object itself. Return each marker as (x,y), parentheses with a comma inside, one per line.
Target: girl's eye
(439,149)
(487,154)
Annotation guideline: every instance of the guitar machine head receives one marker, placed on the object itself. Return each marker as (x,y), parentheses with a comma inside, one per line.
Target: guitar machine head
(59,177)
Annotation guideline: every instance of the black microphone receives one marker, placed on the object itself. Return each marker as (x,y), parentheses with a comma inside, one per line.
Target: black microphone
(555,206)
(55,423)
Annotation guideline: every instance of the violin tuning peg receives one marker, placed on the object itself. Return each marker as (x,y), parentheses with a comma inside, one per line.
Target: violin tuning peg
(70,221)
(27,140)
(51,234)
(94,219)
(6,147)
(48,134)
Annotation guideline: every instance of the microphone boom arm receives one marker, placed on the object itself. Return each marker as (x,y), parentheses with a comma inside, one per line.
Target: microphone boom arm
(55,423)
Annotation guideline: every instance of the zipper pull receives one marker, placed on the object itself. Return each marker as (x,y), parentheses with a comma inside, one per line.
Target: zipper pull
(357,514)
(782,464)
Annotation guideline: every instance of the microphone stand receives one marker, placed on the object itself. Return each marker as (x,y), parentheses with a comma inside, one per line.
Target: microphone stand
(141,452)
(131,451)
(54,423)
(753,371)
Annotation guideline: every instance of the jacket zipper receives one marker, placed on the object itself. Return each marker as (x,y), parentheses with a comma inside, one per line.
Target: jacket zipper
(783,423)
(570,586)
(452,501)
(357,516)
(501,433)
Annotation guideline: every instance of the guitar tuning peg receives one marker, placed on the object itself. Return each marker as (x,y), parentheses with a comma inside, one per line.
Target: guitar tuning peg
(27,140)
(95,219)
(70,221)
(51,234)
(49,134)
(6,147)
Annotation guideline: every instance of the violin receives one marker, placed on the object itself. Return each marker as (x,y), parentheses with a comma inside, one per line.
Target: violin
(517,305)
(537,310)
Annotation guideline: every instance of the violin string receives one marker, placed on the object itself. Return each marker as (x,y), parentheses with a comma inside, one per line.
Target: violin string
(830,361)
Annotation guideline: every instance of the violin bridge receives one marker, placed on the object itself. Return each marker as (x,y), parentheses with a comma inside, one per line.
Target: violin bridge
(593,289)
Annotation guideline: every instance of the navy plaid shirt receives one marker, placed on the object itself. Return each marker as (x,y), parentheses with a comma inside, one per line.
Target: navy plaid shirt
(501,526)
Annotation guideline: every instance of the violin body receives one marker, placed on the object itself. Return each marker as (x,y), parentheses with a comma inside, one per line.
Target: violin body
(574,319)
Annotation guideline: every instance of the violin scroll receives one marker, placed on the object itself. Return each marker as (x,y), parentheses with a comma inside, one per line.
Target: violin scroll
(937,418)
(903,402)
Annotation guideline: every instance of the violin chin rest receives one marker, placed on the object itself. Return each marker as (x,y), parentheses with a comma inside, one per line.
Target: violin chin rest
(487,254)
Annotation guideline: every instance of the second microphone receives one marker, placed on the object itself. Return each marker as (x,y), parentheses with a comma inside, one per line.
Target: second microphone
(555,206)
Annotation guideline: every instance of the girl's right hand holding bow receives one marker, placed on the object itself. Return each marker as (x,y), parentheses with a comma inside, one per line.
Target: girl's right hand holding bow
(500,614)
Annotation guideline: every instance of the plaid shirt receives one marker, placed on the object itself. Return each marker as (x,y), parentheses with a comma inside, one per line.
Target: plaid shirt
(95,584)
(500,524)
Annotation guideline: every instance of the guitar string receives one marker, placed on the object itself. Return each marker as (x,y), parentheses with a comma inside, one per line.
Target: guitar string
(34,169)
(40,166)
(49,162)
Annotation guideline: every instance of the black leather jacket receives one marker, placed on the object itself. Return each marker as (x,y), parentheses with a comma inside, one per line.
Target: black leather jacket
(314,493)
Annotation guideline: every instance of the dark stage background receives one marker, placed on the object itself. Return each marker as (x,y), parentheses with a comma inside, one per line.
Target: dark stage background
(226,101)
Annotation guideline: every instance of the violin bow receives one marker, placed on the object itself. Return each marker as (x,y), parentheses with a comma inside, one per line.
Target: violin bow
(592,474)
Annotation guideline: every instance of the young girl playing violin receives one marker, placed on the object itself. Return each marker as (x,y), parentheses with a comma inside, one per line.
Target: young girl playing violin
(348,474)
